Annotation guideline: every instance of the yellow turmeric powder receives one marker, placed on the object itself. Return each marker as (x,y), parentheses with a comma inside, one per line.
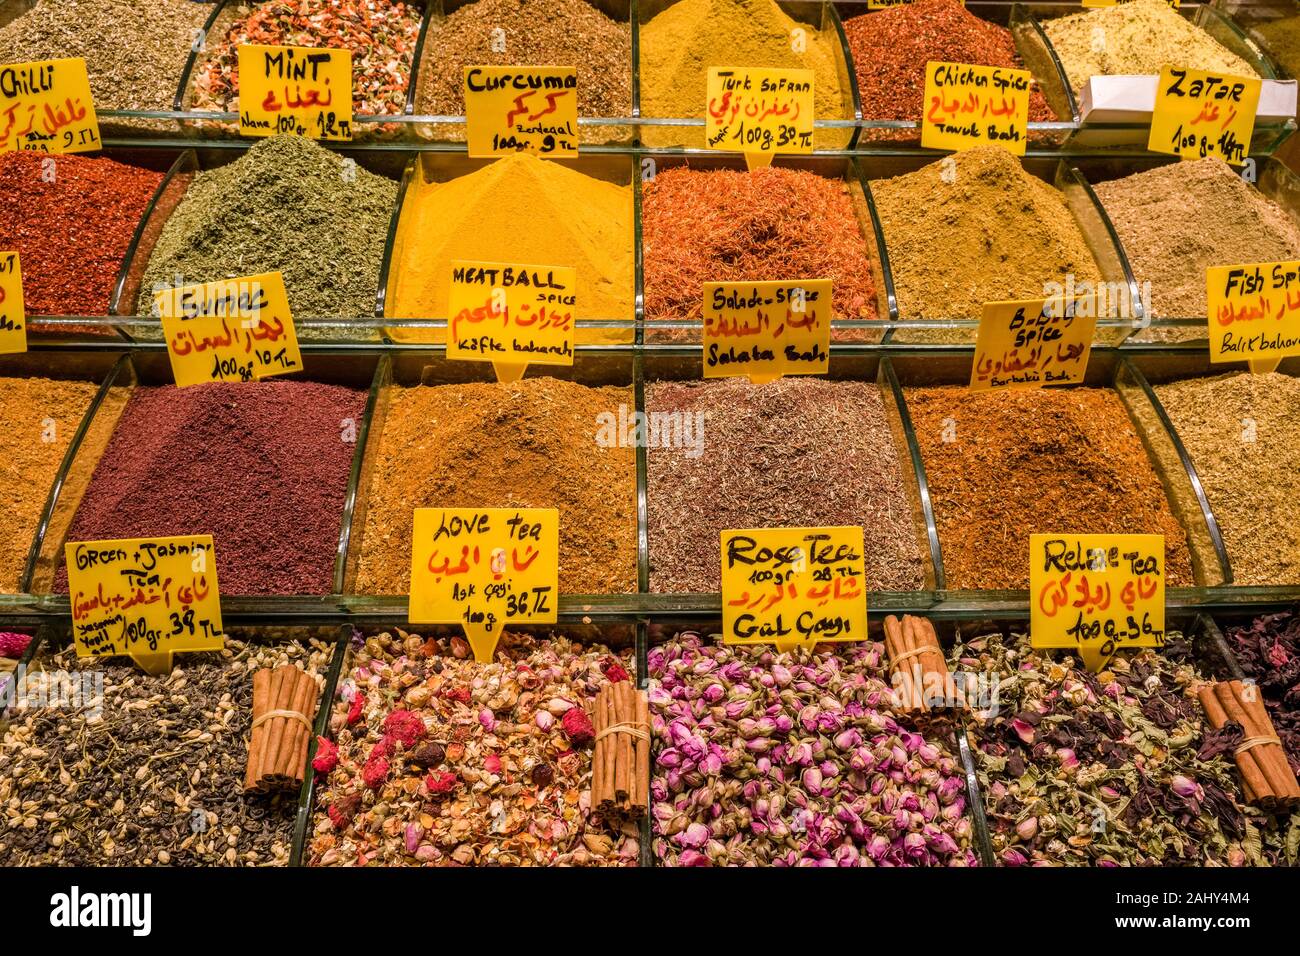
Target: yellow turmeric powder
(516,209)
(680,44)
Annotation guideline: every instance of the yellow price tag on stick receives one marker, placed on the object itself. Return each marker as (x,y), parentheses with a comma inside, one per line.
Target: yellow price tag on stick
(760,112)
(1254,313)
(767,329)
(298,90)
(522,109)
(968,106)
(1096,593)
(232,330)
(511,315)
(1200,114)
(1033,343)
(485,568)
(793,587)
(46,107)
(13,317)
(147,598)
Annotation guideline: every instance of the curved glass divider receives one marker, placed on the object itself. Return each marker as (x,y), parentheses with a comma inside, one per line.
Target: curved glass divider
(900,421)
(376,416)
(320,728)
(1188,497)
(191,61)
(1212,645)
(103,366)
(642,479)
(831,23)
(393,244)
(886,299)
(354,478)
(844,169)
(1177,474)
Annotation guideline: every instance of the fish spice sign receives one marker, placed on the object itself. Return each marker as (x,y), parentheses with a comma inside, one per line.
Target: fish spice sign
(1254,313)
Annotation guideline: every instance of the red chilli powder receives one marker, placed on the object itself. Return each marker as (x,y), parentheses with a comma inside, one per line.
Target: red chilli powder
(891,48)
(263,467)
(71,219)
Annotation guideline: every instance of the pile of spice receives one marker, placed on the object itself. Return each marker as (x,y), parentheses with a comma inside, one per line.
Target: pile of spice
(798,451)
(263,467)
(70,218)
(723,225)
(1281,38)
(1136,39)
(1161,214)
(13,645)
(892,47)
(679,45)
(437,759)
(382,35)
(976,228)
(1112,769)
(1268,650)
(287,205)
(517,209)
(767,759)
(152,773)
(1003,465)
(535,443)
(41,415)
(134,52)
(528,33)
(1239,430)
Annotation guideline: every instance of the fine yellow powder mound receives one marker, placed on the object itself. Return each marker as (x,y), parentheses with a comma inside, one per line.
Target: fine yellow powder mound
(517,209)
(679,45)
(1136,39)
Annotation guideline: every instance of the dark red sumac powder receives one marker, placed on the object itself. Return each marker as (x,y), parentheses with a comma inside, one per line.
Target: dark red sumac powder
(71,219)
(263,467)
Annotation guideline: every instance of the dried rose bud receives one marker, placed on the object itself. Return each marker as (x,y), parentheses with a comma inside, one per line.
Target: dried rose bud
(440,782)
(460,648)
(404,725)
(354,710)
(375,772)
(577,727)
(327,756)
(427,755)
(542,775)
(544,720)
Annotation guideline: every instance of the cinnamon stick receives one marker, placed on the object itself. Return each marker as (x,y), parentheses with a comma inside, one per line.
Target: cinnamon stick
(1276,786)
(896,646)
(621,749)
(1252,777)
(641,795)
(611,718)
(1256,708)
(257,741)
(596,763)
(274,726)
(302,735)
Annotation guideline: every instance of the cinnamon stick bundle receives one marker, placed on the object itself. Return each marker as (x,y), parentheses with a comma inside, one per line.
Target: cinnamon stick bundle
(1266,775)
(917,663)
(620,766)
(284,708)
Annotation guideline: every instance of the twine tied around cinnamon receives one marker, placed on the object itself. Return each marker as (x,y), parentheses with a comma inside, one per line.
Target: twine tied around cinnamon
(620,765)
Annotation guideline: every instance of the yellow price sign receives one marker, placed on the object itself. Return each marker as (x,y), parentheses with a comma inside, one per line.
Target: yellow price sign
(793,587)
(147,598)
(295,90)
(485,568)
(521,109)
(968,105)
(46,107)
(1200,114)
(1033,343)
(511,315)
(13,317)
(231,330)
(759,111)
(1096,593)
(767,329)
(1254,313)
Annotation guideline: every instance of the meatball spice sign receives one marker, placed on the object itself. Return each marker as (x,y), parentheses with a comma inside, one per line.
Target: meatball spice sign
(1032,343)
(793,587)
(1097,593)
(146,598)
(484,569)
(1199,114)
(767,329)
(968,106)
(522,109)
(1254,313)
(759,112)
(232,330)
(13,319)
(301,91)
(511,314)
(46,107)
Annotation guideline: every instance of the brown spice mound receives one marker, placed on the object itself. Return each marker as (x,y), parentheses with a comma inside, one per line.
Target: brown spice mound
(724,225)
(1240,432)
(1007,464)
(1176,221)
(976,228)
(527,444)
(797,451)
(892,47)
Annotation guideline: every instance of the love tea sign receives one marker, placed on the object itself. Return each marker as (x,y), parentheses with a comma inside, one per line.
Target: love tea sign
(1097,593)
(793,587)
